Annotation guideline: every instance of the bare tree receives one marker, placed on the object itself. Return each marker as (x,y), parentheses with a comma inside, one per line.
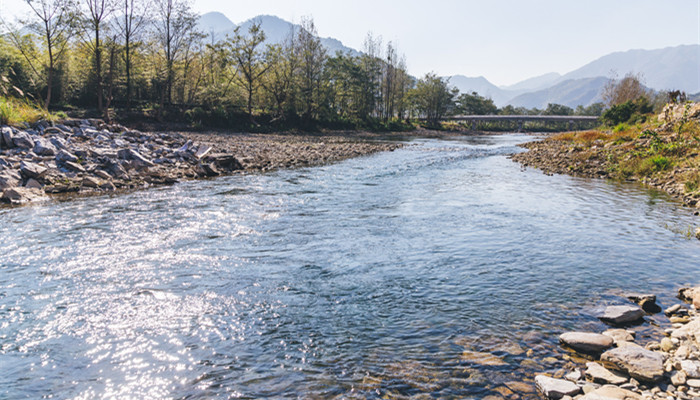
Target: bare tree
(312,57)
(53,24)
(620,91)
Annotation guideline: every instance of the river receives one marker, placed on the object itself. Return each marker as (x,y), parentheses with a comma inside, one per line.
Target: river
(428,270)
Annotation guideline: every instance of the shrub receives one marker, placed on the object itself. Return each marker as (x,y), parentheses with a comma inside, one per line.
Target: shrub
(621,127)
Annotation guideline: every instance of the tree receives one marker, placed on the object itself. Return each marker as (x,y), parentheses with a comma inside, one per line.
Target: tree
(474,104)
(629,88)
(433,98)
(283,62)
(130,25)
(95,13)
(251,61)
(312,58)
(175,20)
(53,24)
(594,110)
(557,109)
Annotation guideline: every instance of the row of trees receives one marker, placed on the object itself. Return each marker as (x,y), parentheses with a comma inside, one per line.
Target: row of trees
(149,53)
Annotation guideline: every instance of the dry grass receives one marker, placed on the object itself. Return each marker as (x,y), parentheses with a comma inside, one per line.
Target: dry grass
(582,137)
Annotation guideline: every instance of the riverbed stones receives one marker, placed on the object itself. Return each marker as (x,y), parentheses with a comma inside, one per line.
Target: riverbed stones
(555,388)
(6,137)
(9,179)
(598,373)
(620,315)
(74,166)
(639,363)
(587,342)
(44,147)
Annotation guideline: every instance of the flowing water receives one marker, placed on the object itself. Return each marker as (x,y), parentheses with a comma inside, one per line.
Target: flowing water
(428,270)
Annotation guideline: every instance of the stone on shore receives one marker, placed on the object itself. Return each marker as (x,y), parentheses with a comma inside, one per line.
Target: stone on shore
(619,335)
(609,392)
(598,373)
(23,140)
(6,137)
(74,166)
(688,331)
(44,147)
(646,301)
(555,388)
(31,170)
(691,368)
(587,342)
(9,179)
(21,195)
(64,156)
(622,314)
(637,362)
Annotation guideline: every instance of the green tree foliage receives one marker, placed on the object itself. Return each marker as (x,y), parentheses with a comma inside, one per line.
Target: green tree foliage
(557,109)
(433,98)
(594,110)
(474,104)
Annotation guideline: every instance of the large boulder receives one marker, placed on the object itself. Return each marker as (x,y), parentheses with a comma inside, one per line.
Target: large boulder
(637,362)
(555,388)
(135,157)
(688,331)
(691,295)
(587,342)
(622,314)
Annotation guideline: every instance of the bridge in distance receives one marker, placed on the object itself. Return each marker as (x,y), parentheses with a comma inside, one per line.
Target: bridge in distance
(566,122)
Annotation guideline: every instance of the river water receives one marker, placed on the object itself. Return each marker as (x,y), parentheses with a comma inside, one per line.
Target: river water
(428,270)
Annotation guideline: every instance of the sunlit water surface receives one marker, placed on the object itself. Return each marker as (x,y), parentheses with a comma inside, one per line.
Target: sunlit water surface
(430,269)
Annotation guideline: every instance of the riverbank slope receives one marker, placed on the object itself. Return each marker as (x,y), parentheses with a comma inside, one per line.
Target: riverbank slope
(663,153)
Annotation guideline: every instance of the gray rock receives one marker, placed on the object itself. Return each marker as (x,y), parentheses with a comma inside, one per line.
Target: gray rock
(137,159)
(600,374)
(637,362)
(646,301)
(678,378)
(31,170)
(21,195)
(619,335)
(59,143)
(555,388)
(102,174)
(23,140)
(74,166)
(587,342)
(691,368)
(609,392)
(33,184)
(64,156)
(202,151)
(622,314)
(44,147)
(672,310)
(9,179)
(6,137)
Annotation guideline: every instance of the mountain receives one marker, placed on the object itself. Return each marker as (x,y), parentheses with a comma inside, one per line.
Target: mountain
(572,93)
(482,86)
(536,83)
(276,30)
(675,68)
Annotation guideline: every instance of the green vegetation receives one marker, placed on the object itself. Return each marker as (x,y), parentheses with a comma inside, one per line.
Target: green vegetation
(17,112)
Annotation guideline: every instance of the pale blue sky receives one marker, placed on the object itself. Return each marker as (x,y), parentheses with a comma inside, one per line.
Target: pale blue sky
(504,40)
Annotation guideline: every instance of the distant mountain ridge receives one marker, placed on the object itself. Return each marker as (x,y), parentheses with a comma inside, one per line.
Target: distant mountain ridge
(276,30)
(670,68)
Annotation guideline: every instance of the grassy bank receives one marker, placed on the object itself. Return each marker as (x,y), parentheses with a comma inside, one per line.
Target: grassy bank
(663,152)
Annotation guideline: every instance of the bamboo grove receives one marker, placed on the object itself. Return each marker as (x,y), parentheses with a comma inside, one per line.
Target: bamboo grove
(149,56)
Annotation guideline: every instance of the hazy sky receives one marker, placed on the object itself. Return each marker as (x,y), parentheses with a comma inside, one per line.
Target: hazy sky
(504,40)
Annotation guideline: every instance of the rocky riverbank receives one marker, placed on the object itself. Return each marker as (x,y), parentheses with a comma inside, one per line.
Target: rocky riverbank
(613,366)
(664,153)
(90,156)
